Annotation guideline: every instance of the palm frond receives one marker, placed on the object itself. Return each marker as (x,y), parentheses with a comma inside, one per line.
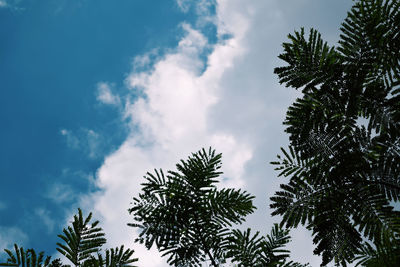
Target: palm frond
(81,240)
(26,258)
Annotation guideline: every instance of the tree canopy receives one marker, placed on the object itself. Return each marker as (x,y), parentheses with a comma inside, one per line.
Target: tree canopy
(184,213)
(190,220)
(344,155)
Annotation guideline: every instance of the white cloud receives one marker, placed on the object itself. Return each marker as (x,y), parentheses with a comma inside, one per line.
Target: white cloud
(231,102)
(3,3)
(172,118)
(105,95)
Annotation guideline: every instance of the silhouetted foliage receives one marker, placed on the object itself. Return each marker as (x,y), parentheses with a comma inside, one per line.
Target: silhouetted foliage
(113,258)
(189,219)
(81,239)
(254,250)
(343,174)
(26,258)
(185,215)
(81,246)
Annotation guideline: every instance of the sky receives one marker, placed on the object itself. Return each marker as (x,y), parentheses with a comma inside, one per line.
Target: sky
(93,94)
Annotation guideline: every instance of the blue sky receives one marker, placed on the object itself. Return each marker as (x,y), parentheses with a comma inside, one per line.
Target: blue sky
(95,93)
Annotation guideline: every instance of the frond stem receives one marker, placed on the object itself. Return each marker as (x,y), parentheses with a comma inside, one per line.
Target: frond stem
(204,243)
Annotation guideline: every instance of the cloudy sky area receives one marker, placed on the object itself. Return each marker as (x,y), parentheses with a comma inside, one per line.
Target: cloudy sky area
(96,93)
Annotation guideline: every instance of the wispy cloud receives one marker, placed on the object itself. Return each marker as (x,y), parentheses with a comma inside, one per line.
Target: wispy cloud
(46,218)
(12,235)
(105,95)
(3,3)
(60,193)
(184,5)
(86,140)
(3,206)
(72,141)
(11,5)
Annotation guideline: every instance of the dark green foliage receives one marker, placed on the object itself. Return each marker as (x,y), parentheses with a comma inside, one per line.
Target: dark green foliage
(81,240)
(385,252)
(117,257)
(248,250)
(82,243)
(185,215)
(26,258)
(57,263)
(343,175)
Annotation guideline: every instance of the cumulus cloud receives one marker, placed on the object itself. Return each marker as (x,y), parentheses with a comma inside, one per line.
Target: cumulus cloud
(172,121)
(230,101)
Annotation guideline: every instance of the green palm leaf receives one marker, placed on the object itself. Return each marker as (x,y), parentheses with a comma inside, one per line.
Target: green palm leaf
(81,240)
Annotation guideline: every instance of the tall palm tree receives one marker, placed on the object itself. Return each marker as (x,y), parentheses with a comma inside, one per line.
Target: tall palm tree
(343,161)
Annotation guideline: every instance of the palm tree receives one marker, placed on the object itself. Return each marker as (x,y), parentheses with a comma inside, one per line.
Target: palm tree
(343,161)
(185,215)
